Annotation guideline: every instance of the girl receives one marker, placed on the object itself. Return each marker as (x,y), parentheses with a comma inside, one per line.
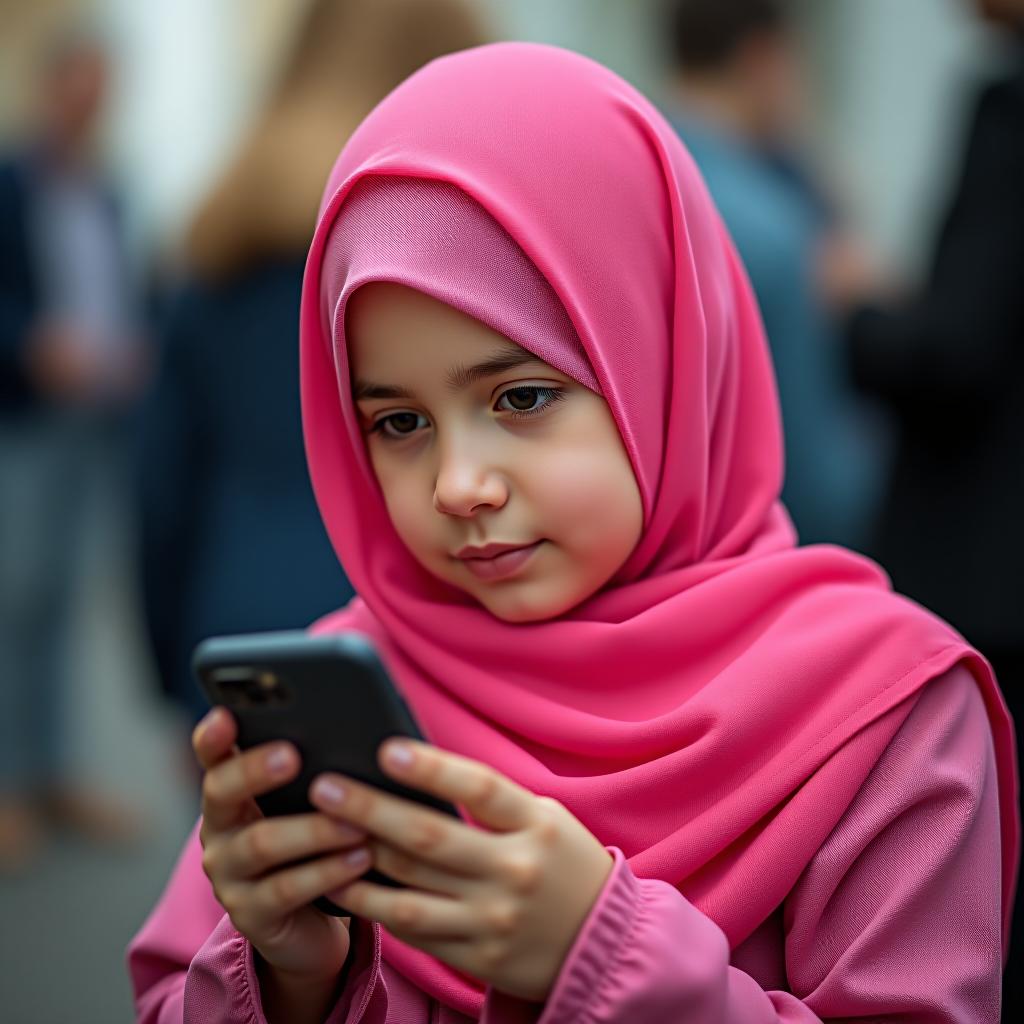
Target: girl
(705,778)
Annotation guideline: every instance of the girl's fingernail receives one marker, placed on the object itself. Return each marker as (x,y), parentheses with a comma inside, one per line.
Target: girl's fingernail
(398,754)
(204,724)
(329,791)
(279,761)
(356,857)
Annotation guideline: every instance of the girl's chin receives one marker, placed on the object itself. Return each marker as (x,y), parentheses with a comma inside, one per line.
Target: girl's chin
(526,606)
(520,616)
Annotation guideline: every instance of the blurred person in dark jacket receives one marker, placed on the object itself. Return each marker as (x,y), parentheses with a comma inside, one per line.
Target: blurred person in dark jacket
(734,96)
(232,540)
(949,363)
(70,363)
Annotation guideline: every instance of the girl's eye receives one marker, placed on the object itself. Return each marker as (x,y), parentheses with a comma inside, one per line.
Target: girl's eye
(525,401)
(399,424)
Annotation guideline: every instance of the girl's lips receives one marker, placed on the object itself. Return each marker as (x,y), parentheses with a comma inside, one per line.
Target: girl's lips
(500,567)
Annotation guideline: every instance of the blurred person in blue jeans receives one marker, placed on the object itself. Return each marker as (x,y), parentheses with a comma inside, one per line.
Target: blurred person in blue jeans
(71,359)
(734,97)
(231,537)
(949,363)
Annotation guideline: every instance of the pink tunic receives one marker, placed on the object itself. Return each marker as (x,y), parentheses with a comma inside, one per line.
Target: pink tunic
(896,917)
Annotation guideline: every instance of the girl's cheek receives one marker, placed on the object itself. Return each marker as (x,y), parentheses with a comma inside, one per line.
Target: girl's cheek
(411,510)
(406,506)
(577,480)
(595,479)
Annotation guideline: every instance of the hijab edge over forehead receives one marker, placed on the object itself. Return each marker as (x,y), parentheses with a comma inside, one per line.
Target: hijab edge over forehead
(431,236)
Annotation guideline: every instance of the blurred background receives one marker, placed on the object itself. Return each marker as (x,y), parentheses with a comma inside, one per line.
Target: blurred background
(160,168)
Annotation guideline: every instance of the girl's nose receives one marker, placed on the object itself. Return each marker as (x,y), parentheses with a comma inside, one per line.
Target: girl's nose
(466,485)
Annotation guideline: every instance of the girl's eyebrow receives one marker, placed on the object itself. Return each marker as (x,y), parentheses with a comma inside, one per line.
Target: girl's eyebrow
(363,389)
(508,358)
(458,377)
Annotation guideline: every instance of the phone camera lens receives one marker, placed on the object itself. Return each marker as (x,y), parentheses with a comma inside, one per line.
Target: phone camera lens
(252,689)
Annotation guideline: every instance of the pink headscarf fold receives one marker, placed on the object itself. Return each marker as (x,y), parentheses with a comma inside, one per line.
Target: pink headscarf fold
(714,709)
(431,236)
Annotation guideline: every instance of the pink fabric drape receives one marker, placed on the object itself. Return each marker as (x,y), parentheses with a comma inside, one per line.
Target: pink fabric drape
(707,711)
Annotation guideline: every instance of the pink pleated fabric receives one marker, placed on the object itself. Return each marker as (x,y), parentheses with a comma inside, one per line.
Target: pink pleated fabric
(706,712)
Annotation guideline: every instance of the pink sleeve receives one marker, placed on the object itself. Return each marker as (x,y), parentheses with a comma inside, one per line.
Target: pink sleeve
(188,964)
(896,917)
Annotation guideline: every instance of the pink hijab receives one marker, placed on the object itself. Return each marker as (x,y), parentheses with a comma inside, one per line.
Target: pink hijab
(714,709)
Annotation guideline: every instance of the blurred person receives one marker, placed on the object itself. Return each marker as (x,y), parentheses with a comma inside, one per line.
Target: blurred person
(735,98)
(71,360)
(949,363)
(232,540)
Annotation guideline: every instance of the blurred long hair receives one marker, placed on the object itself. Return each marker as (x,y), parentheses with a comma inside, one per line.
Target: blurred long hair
(348,55)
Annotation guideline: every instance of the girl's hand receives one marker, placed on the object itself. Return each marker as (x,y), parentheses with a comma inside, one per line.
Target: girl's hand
(503,905)
(247,857)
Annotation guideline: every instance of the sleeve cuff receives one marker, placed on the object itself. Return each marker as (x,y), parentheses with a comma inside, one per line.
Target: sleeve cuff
(362,972)
(592,957)
(586,961)
(242,994)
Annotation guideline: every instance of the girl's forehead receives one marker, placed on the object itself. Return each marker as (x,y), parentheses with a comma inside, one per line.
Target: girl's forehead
(396,333)
(385,311)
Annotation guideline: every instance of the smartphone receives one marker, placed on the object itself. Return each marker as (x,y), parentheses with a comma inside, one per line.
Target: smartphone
(328,695)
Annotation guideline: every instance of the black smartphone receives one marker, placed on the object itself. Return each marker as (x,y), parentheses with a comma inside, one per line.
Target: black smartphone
(329,695)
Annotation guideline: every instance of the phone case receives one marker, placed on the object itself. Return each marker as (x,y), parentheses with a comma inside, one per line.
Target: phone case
(329,695)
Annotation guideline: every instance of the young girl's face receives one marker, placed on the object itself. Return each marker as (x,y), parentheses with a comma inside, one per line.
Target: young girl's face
(501,475)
